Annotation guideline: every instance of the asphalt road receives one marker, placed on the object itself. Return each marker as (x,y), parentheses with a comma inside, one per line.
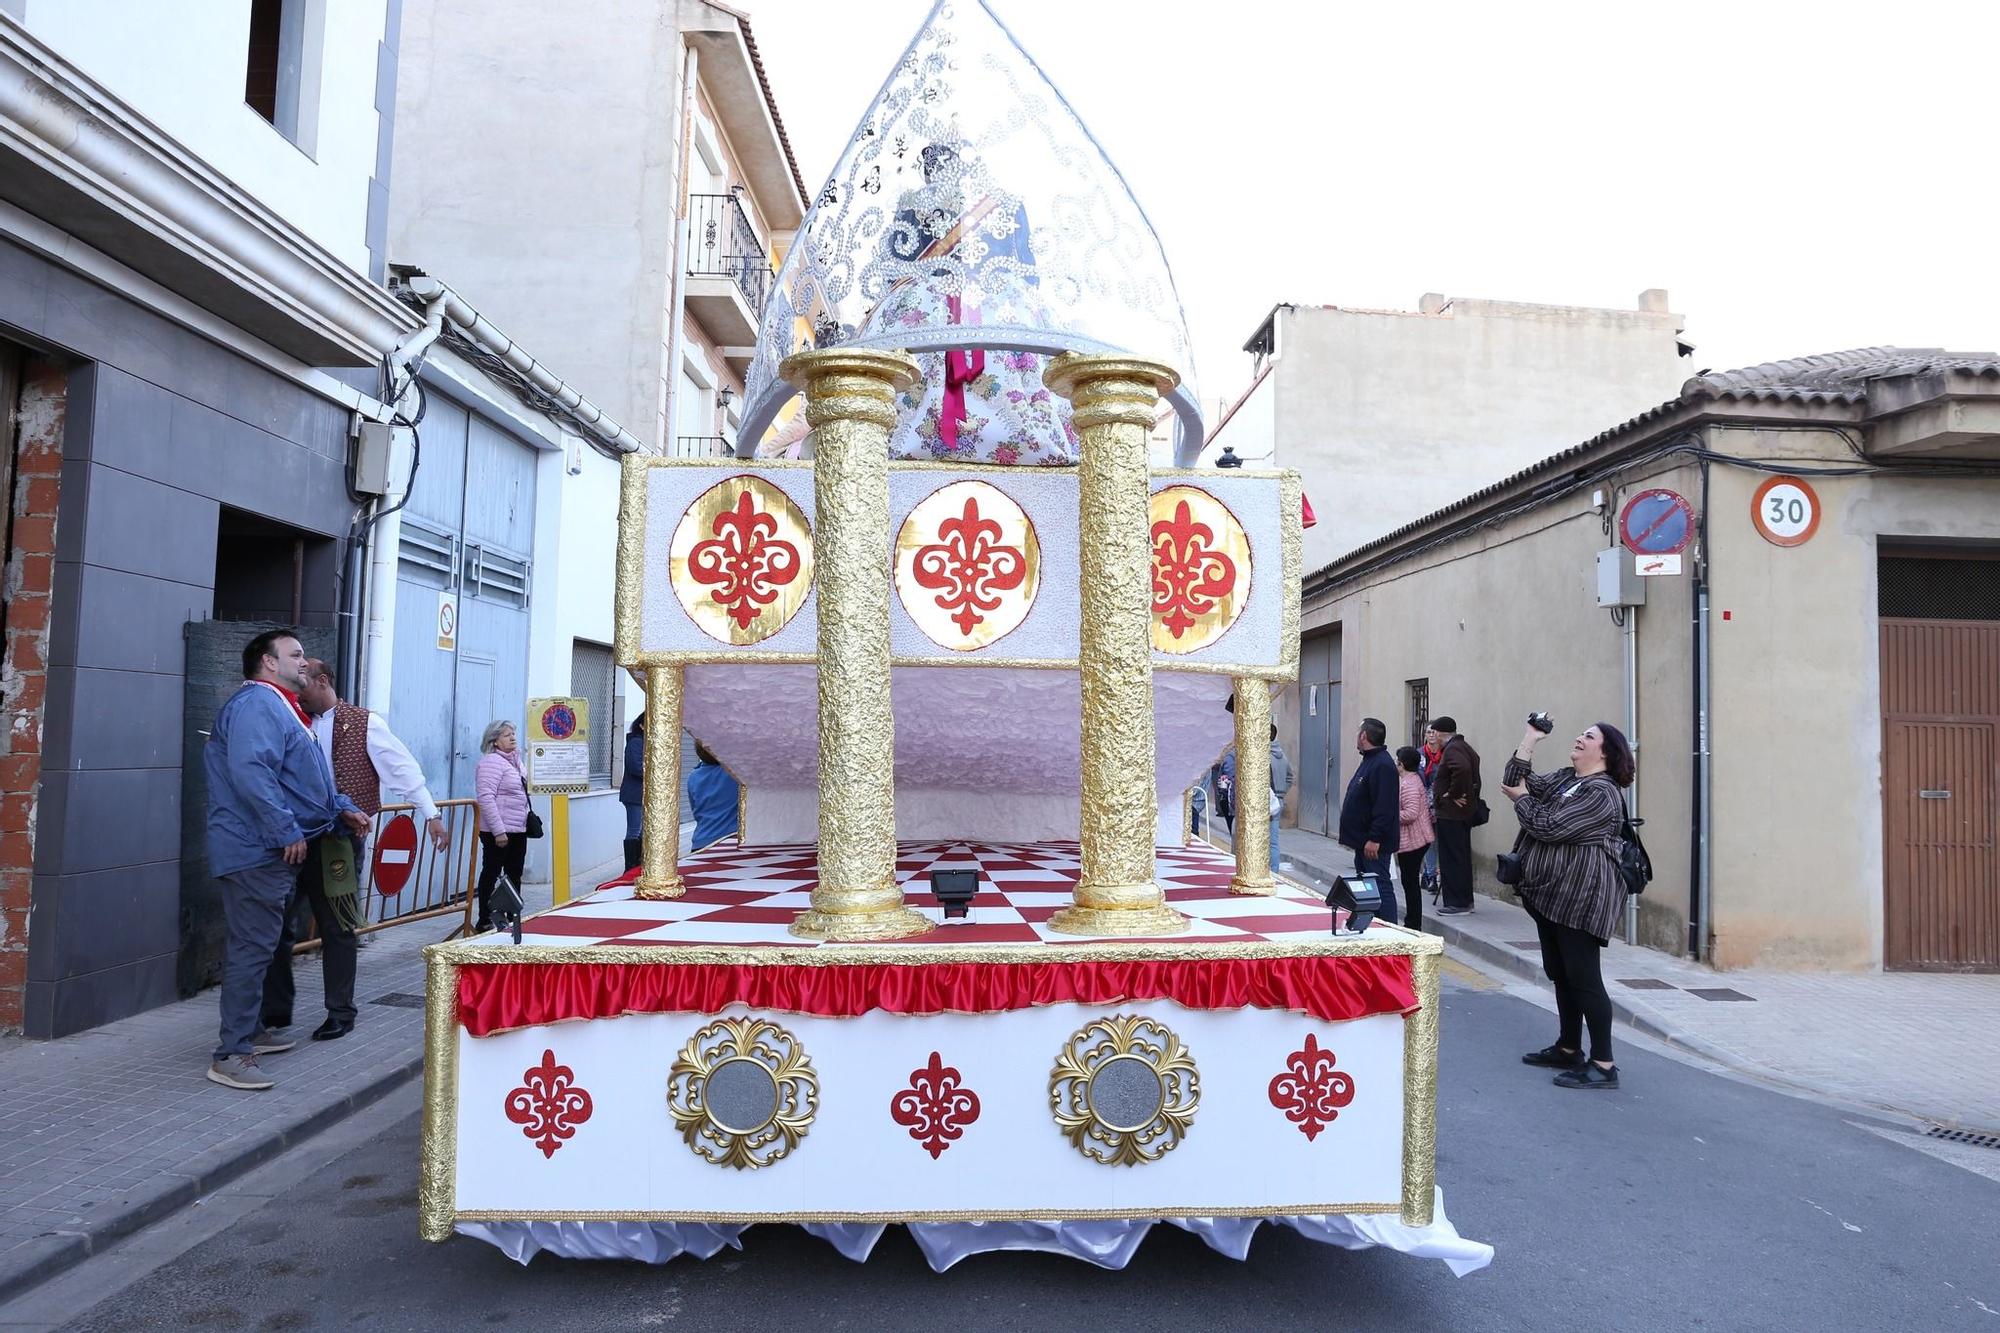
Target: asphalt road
(1685,1200)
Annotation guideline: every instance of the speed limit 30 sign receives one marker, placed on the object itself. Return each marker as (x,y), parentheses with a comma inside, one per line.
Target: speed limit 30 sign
(1785,511)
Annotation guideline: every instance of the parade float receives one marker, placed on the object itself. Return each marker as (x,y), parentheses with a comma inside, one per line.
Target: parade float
(964,969)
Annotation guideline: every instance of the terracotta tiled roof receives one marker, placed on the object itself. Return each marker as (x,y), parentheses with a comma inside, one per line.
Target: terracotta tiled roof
(1835,376)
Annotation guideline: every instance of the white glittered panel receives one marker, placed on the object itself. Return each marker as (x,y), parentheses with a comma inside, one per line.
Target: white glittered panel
(1257,503)
(762,721)
(1240,1152)
(664,624)
(1048,496)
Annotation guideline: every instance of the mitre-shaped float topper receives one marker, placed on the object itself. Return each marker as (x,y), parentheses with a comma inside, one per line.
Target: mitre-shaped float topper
(974,221)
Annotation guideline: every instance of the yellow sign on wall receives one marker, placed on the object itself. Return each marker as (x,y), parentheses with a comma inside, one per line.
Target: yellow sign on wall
(558,744)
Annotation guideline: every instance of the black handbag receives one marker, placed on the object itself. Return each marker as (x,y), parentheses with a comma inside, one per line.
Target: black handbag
(534,829)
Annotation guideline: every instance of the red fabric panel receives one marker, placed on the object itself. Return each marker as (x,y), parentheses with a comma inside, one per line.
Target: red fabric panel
(500,997)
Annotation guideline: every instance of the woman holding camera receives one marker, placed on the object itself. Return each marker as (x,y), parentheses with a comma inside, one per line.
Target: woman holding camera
(1570,823)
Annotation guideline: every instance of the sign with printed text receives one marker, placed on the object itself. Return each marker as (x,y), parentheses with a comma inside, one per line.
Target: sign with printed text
(1656,522)
(558,743)
(1785,511)
(1656,566)
(447,621)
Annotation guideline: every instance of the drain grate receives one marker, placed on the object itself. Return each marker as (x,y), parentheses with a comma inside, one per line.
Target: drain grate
(396,999)
(1965,1136)
(1645,983)
(1719,993)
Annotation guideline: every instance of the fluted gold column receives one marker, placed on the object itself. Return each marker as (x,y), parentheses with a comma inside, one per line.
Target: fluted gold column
(1420,1068)
(1113,402)
(660,788)
(851,405)
(1252,838)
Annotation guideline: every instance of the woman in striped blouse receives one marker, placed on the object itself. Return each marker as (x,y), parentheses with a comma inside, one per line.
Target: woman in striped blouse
(1570,822)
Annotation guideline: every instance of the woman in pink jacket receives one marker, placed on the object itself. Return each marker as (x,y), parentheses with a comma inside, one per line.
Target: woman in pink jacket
(1415,834)
(502,793)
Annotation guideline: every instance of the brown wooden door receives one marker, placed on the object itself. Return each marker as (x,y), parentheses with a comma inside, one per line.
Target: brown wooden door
(1941,795)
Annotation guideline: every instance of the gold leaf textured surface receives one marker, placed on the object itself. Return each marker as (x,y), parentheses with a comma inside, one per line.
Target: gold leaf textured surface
(660,787)
(1253,790)
(1114,400)
(851,404)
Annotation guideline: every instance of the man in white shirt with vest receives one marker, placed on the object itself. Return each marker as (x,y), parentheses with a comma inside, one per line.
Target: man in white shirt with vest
(366,758)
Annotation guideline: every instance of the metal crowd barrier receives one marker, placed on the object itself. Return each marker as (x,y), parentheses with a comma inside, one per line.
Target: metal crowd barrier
(399,886)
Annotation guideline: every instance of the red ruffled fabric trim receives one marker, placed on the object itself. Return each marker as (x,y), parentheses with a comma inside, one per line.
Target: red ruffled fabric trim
(501,997)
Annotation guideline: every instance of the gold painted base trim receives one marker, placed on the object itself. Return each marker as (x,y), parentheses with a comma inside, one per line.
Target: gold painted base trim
(659,890)
(943,1215)
(895,923)
(1254,888)
(1077,919)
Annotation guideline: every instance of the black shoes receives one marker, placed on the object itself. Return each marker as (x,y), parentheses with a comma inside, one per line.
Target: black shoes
(1453,911)
(333,1029)
(1589,1076)
(1555,1057)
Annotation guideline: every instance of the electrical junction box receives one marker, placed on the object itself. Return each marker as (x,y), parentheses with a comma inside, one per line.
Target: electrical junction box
(371,458)
(1618,582)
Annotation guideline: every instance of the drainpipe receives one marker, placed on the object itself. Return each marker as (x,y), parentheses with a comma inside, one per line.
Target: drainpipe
(368,681)
(677,287)
(1702,863)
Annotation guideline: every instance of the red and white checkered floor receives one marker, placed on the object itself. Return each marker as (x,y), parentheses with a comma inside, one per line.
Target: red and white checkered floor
(749,895)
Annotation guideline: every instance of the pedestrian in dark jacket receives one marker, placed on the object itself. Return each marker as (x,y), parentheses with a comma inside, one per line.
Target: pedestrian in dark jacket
(1370,812)
(632,789)
(1570,825)
(1456,805)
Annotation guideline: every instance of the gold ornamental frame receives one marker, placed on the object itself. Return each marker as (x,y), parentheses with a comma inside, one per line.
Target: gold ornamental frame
(1124,1042)
(752,1043)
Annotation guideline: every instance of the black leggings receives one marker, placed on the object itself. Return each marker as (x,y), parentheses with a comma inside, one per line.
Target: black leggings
(512,857)
(1574,961)
(1410,869)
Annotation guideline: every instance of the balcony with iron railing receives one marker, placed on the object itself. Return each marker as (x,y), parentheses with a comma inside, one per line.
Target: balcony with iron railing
(728,269)
(701,446)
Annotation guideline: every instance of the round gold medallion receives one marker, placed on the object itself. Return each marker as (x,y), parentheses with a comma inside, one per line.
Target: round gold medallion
(1201,568)
(742,1093)
(741,560)
(967,565)
(1124,1090)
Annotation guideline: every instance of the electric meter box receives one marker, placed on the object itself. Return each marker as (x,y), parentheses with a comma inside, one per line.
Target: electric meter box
(1618,582)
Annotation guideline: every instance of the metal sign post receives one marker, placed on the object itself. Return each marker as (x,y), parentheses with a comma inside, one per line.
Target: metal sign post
(559,763)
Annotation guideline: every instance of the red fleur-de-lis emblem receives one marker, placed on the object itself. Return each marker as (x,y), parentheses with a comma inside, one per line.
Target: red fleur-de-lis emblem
(935,1108)
(549,1106)
(1311,1091)
(745,559)
(970,566)
(1189,574)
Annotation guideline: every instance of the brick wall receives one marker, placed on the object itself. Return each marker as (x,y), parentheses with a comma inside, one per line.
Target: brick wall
(30,567)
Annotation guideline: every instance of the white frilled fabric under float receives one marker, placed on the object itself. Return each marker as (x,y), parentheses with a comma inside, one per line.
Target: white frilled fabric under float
(936,672)
(1108,1244)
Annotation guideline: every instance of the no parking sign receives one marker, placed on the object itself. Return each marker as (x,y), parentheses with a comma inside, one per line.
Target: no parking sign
(1656,522)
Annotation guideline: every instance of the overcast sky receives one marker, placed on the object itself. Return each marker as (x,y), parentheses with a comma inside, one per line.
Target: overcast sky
(1799,177)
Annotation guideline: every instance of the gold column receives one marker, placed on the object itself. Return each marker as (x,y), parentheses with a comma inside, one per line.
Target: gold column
(1113,401)
(1420,1068)
(660,788)
(437,1165)
(1252,838)
(851,406)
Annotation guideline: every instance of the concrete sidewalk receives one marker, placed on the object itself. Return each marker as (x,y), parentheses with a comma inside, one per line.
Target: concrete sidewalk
(1913,1043)
(107,1131)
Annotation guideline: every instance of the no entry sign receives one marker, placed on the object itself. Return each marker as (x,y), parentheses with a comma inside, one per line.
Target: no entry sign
(395,855)
(1656,522)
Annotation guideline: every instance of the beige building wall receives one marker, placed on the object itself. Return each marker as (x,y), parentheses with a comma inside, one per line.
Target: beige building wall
(1389,415)
(1799,855)
(534,171)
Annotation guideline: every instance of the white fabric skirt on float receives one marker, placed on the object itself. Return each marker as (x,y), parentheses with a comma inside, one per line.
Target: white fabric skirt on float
(1106,1243)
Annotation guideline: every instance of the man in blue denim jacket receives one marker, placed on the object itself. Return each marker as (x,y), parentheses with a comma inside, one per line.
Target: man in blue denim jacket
(270,799)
